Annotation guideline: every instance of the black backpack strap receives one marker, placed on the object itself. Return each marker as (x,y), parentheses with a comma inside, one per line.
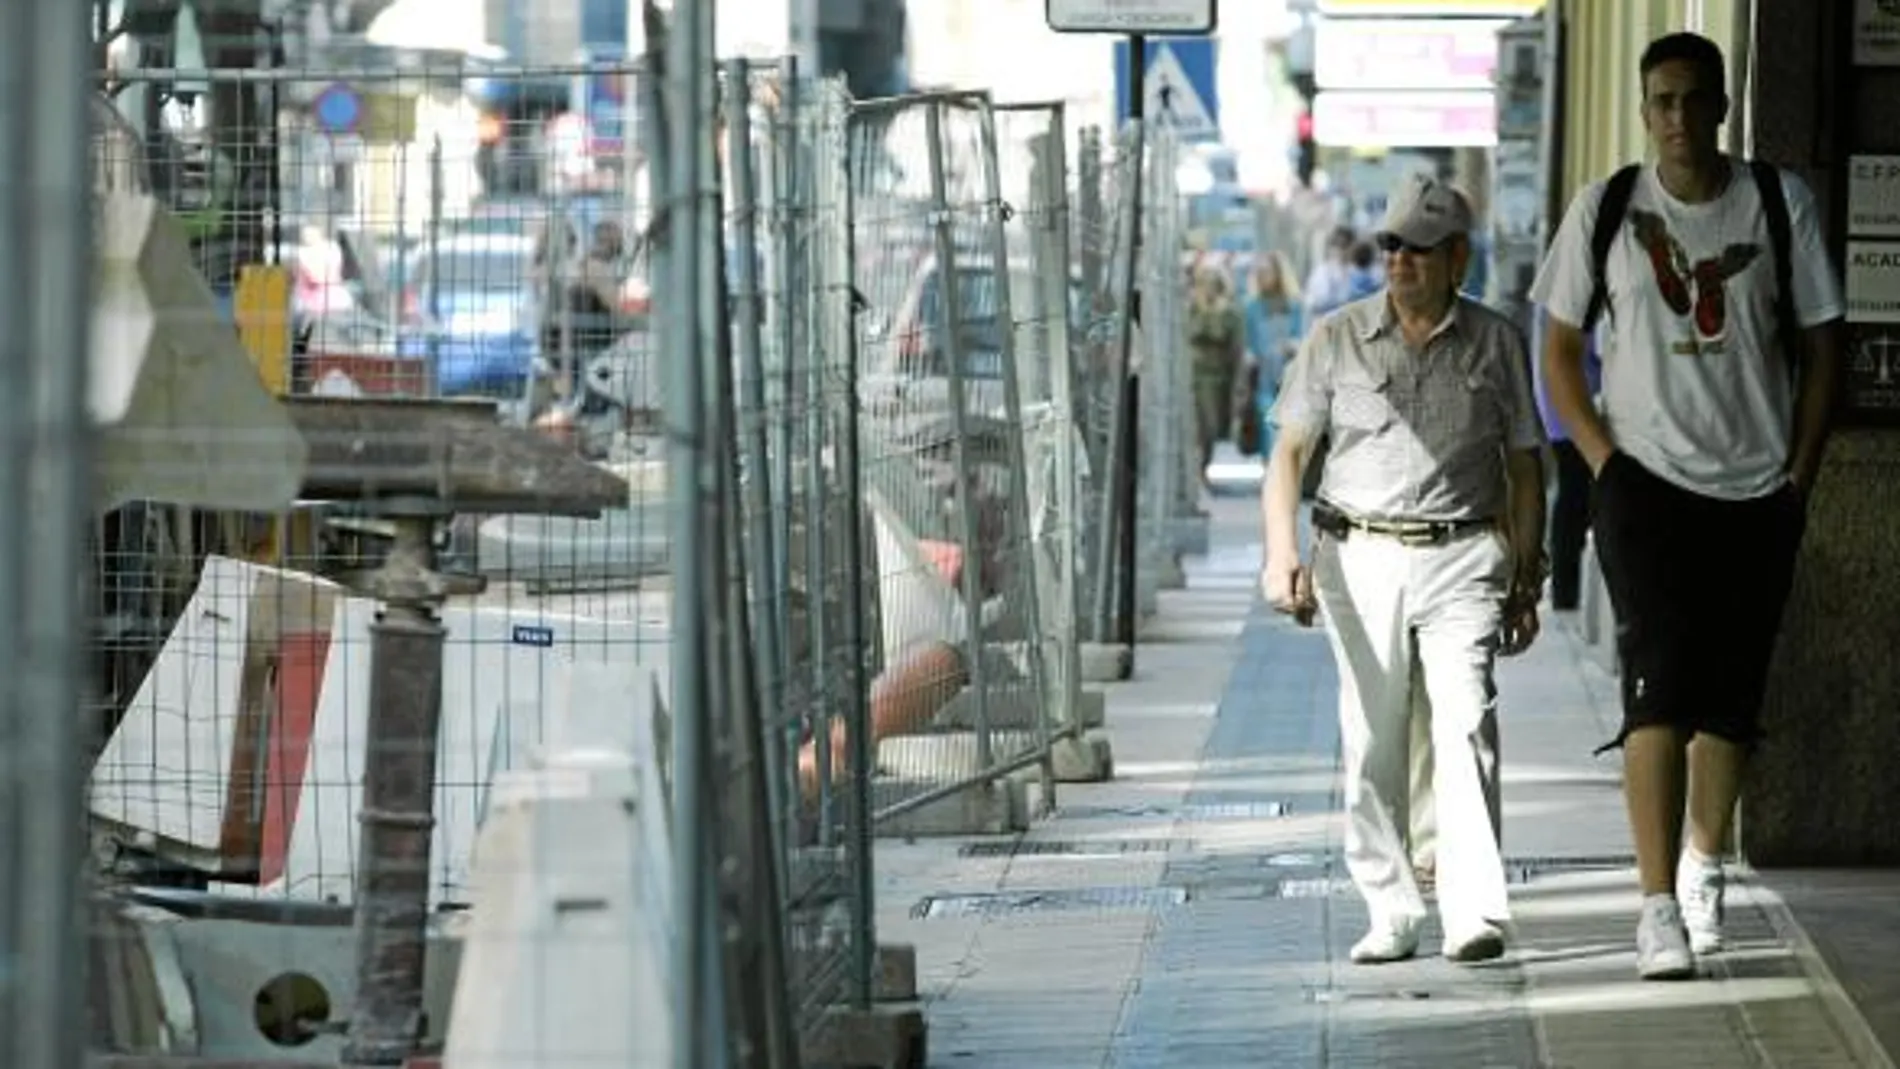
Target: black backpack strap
(1774,203)
(1610,211)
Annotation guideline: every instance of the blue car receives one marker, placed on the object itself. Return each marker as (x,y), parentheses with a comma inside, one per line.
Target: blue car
(471,302)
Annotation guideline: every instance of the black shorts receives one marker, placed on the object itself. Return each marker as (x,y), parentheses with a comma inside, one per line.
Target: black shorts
(1698,585)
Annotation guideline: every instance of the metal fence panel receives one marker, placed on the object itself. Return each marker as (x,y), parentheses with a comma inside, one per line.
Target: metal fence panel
(1169,463)
(1049,306)
(943,466)
(777,543)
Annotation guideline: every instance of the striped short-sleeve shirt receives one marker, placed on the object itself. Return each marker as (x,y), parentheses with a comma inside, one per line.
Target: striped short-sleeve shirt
(1416,434)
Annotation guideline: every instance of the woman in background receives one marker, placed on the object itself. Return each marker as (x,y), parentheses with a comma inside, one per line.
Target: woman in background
(1274,323)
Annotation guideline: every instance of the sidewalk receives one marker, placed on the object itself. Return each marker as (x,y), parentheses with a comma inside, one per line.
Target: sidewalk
(1193,911)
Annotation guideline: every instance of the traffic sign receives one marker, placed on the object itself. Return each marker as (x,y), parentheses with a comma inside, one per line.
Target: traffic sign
(1179,91)
(337,109)
(1406,118)
(1504,9)
(1131,16)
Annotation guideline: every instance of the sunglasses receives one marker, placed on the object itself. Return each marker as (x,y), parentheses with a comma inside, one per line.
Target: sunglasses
(1391,243)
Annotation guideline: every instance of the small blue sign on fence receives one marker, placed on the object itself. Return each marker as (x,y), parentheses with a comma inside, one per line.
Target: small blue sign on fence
(337,109)
(528,635)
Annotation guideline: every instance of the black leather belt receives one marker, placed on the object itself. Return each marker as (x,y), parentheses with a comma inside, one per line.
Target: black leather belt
(1331,521)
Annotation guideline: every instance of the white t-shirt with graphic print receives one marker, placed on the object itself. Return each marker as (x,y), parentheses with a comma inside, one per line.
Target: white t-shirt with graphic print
(1695,385)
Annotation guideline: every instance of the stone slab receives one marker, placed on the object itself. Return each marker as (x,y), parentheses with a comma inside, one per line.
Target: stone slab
(882,1037)
(1834,684)
(1105,662)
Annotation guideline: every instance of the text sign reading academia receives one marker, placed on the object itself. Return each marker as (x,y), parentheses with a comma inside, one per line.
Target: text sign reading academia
(1873,282)
(1131,16)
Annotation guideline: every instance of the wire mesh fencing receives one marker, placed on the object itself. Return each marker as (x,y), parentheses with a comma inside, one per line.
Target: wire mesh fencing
(962,632)
(334,719)
(1169,461)
(1133,356)
(496,509)
(426,246)
(1050,305)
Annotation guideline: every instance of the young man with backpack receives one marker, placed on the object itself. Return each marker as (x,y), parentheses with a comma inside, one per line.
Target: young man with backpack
(1719,368)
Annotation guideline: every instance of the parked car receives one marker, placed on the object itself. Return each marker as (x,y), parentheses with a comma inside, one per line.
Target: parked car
(472,301)
(911,344)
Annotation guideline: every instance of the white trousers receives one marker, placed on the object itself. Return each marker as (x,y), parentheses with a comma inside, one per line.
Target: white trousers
(1423,841)
(1414,632)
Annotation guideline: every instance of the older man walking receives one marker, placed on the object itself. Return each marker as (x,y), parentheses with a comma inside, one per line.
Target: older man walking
(1427,557)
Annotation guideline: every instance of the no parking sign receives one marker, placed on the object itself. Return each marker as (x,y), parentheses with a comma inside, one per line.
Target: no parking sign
(338,109)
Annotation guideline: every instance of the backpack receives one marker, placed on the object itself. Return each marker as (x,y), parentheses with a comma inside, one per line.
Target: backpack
(1615,203)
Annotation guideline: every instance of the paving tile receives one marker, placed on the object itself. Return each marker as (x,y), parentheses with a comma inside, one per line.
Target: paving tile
(1237,711)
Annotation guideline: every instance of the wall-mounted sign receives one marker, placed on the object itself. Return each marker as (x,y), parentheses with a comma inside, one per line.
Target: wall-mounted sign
(1877,33)
(1873,196)
(1131,16)
(1517,193)
(1873,281)
(1871,390)
(1406,53)
(1408,119)
(1520,81)
(1497,9)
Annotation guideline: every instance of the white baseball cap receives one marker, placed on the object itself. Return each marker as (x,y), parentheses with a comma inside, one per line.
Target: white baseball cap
(1425,212)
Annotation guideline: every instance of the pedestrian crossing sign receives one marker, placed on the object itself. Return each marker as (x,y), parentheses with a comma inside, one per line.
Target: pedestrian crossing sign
(1178,90)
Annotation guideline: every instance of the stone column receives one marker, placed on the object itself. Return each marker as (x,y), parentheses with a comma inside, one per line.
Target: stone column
(1822,791)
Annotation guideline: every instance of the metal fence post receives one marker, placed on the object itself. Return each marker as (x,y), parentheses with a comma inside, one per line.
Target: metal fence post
(432,381)
(1053,243)
(685,342)
(949,325)
(48,498)
(862,747)
(748,343)
(997,215)
(780,173)
(1115,578)
(817,559)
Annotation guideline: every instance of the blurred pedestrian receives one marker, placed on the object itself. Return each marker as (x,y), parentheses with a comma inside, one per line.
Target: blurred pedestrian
(1217,338)
(1274,321)
(1570,506)
(1329,284)
(1363,277)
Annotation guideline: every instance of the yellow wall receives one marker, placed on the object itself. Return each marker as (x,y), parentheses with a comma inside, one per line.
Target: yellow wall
(1603,126)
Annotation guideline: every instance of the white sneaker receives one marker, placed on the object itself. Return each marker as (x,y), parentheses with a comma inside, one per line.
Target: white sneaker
(1699,885)
(1482,943)
(1388,942)
(1662,946)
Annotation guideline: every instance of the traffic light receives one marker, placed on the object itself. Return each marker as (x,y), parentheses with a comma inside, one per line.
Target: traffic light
(1304,151)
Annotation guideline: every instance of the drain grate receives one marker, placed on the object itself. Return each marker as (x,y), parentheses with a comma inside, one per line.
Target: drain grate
(1187,811)
(1322,887)
(1387,995)
(1099,812)
(1079,848)
(1522,870)
(1235,810)
(992,904)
